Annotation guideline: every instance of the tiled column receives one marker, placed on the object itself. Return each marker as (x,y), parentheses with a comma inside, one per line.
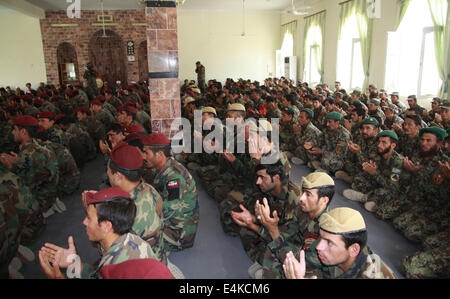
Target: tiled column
(162,43)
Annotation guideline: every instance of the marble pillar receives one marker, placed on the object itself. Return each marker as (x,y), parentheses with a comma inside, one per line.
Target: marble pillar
(164,84)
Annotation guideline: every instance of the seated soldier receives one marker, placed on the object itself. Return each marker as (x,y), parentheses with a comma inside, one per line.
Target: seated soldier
(110,216)
(340,252)
(281,197)
(317,193)
(308,134)
(178,190)
(379,186)
(286,132)
(332,145)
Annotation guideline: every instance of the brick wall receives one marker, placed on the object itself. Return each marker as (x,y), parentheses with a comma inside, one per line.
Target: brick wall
(81,36)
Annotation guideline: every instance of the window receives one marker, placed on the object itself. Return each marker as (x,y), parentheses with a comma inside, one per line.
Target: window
(313,55)
(411,66)
(349,64)
(287,49)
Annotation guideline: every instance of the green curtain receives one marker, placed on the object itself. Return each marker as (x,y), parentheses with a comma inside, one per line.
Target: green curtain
(440,14)
(289,28)
(365,29)
(402,7)
(315,20)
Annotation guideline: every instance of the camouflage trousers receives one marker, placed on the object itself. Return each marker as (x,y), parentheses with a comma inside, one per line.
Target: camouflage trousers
(301,153)
(253,245)
(33,225)
(433,261)
(216,185)
(331,162)
(246,196)
(68,184)
(389,202)
(419,223)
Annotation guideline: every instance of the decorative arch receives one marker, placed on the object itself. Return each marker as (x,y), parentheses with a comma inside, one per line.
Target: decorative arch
(67,61)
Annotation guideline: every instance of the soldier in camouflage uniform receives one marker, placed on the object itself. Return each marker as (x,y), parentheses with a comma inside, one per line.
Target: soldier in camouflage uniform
(426,211)
(117,241)
(78,100)
(391,118)
(332,145)
(36,165)
(409,142)
(47,121)
(124,171)
(375,110)
(308,134)
(272,108)
(94,127)
(101,114)
(28,107)
(69,174)
(280,203)
(90,75)
(396,101)
(178,189)
(112,99)
(359,153)
(286,132)
(200,70)
(9,235)
(324,259)
(433,261)
(380,185)
(317,192)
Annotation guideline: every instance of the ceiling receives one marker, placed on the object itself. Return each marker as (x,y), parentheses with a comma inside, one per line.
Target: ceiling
(216,5)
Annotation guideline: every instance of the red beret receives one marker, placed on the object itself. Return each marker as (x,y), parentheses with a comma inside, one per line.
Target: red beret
(59,116)
(126,156)
(38,102)
(82,109)
(96,102)
(131,109)
(27,96)
(100,97)
(132,136)
(191,93)
(46,114)
(136,269)
(41,129)
(25,121)
(105,195)
(75,92)
(130,102)
(134,128)
(155,139)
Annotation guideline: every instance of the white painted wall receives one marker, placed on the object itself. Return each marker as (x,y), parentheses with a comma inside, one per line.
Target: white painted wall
(213,38)
(21,51)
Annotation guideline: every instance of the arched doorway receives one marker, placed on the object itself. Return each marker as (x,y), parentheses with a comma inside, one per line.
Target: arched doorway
(67,64)
(107,55)
(143,61)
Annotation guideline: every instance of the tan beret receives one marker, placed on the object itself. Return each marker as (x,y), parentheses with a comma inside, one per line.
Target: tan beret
(342,220)
(315,180)
(209,110)
(263,125)
(236,107)
(196,90)
(188,100)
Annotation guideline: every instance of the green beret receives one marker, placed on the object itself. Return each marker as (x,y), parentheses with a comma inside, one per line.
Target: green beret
(445,104)
(440,133)
(334,115)
(309,111)
(357,103)
(370,121)
(288,110)
(388,133)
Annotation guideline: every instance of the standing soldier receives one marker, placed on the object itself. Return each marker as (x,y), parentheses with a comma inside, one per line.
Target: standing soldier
(201,81)
(178,189)
(91,77)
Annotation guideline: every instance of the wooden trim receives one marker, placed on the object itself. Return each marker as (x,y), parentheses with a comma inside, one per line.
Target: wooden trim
(315,13)
(289,23)
(345,2)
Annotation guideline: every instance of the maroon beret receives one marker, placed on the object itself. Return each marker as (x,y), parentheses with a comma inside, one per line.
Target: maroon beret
(25,121)
(191,93)
(131,109)
(45,114)
(96,102)
(100,97)
(136,269)
(38,101)
(59,116)
(134,128)
(82,109)
(27,96)
(130,102)
(132,136)
(126,156)
(106,195)
(155,139)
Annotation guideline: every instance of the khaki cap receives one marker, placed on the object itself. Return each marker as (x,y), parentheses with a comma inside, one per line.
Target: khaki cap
(263,125)
(196,90)
(209,110)
(188,100)
(236,107)
(342,220)
(316,180)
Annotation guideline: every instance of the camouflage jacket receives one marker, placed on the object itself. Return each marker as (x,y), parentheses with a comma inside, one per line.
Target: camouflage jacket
(49,106)
(273,114)
(105,117)
(181,210)
(334,144)
(287,137)
(390,174)
(56,135)
(76,133)
(116,102)
(367,265)
(406,146)
(388,123)
(308,134)
(79,101)
(38,168)
(148,223)
(30,110)
(69,175)
(127,247)
(428,185)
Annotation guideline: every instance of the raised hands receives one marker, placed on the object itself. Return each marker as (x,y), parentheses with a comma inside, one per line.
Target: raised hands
(370,167)
(270,223)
